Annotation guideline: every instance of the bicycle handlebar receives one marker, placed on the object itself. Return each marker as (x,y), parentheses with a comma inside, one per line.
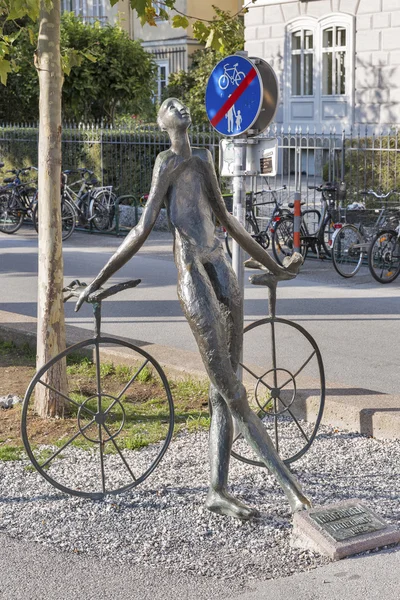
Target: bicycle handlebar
(378,196)
(76,287)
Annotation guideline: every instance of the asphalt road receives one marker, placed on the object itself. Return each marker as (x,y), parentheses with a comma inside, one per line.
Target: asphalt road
(31,572)
(355,321)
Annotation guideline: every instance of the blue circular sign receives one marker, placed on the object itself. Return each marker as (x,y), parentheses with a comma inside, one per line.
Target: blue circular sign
(234,95)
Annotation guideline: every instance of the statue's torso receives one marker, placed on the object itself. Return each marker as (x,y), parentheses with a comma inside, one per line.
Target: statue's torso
(189,210)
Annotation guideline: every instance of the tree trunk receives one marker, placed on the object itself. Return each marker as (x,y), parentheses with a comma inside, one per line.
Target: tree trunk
(51,325)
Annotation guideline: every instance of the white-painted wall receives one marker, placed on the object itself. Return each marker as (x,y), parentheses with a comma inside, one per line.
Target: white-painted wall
(373,59)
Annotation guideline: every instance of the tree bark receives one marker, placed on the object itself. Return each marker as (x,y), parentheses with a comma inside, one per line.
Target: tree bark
(51,325)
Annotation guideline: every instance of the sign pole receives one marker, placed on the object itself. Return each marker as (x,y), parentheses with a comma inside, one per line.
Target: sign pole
(239,203)
(239,211)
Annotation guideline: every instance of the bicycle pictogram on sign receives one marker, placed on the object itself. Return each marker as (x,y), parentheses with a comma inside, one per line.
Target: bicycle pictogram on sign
(234,95)
(230,75)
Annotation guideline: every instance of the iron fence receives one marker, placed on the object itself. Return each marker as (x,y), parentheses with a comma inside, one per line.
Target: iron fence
(124,157)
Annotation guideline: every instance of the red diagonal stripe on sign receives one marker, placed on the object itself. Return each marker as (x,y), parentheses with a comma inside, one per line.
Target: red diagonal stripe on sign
(235,95)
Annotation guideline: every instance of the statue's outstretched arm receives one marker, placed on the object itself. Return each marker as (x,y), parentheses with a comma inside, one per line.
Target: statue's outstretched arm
(235,229)
(137,236)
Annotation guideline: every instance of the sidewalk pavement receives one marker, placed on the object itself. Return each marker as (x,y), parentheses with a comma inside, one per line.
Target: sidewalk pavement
(31,572)
(356,409)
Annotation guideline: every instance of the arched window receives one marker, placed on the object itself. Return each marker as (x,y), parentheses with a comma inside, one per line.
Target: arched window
(302,62)
(334,61)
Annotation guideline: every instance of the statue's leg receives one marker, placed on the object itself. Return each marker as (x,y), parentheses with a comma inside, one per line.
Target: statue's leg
(206,317)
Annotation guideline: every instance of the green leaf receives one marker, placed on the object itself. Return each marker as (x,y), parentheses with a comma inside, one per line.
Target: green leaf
(180,21)
(32,37)
(210,39)
(90,56)
(5,69)
(163,14)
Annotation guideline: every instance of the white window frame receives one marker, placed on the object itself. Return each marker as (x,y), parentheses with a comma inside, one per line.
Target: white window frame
(302,52)
(162,62)
(98,8)
(318,26)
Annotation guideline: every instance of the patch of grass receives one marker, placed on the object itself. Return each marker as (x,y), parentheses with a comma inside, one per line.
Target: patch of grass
(10,452)
(9,348)
(145,375)
(190,390)
(202,421)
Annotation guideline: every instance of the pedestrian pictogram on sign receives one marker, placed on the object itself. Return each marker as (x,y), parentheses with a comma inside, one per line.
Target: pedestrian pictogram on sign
(234,95)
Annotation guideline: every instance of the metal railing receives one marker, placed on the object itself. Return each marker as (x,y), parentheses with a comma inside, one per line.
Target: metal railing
(124,157)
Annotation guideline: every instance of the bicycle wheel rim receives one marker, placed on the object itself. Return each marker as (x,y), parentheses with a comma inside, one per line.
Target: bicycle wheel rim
(313,361)
(347,254)
(34,453)
(384,256)
(11,216)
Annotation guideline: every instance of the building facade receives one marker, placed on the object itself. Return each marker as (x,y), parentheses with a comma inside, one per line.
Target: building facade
(173,47)
(337,61)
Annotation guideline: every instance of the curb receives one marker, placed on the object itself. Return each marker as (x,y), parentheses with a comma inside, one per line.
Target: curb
(369,412)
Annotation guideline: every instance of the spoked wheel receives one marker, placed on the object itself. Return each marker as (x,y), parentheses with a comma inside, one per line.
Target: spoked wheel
(102,210)
(283,242)
(110,412)
(68,218)
(384,256)
(328,233)
(347,250)
(282,367)
(11,215)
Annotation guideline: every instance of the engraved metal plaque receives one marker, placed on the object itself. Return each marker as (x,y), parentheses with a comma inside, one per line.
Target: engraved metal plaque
(348,522)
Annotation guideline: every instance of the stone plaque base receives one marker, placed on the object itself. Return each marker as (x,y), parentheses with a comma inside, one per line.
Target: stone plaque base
(341,529)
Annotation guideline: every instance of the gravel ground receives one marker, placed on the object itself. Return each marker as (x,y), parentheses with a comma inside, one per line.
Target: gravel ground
(162,522)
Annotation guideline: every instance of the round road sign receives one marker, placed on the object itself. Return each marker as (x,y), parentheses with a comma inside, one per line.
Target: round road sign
(234,95)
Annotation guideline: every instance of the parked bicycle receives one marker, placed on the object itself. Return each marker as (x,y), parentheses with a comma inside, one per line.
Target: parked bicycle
(353,238)
(316,228)
(254,200)
(17,200)
(384,255)
(93,203)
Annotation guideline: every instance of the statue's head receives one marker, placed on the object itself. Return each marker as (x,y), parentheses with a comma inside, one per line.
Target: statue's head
(173,115)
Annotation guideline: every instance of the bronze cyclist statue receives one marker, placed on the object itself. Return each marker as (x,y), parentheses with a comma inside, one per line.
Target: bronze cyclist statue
(184,181)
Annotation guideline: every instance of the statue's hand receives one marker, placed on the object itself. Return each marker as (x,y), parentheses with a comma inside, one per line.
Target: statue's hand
(291,264)
(85,294)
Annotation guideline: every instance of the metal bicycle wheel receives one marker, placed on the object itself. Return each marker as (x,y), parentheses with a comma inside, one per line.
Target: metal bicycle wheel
(282,368)
(68,218)
(102,210)
(11,215)
(347,253)
(384,256)
(328,233)
(110,412)
(282,240)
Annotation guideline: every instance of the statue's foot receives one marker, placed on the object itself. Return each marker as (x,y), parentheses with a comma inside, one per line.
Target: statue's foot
(222,503)
(299,502)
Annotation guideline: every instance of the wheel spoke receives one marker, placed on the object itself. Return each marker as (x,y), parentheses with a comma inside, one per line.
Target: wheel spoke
(118,398)
(50,387)
(299,370)
(119,452)
(294,418)
(254,375)
(80,432)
